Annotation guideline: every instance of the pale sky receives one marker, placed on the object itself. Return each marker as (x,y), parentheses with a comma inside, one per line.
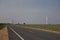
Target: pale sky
(30,11)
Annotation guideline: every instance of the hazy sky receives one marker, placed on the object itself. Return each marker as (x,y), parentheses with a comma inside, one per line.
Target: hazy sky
(30,11)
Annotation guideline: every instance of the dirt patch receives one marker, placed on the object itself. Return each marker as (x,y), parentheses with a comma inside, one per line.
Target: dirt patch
(4,34)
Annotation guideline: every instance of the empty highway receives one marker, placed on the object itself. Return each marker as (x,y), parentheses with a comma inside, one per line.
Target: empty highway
(19,33)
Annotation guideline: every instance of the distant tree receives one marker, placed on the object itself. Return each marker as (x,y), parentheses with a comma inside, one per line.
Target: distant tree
(18,23)
(24,23)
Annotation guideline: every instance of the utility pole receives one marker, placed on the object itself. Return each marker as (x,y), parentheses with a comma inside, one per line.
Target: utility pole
(18,19)
(12,21)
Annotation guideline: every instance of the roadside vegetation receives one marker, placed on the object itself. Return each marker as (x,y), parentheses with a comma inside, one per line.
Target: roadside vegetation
(2,25)
(41,26)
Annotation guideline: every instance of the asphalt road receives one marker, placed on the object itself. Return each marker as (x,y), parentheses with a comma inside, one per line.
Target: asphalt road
(30,34)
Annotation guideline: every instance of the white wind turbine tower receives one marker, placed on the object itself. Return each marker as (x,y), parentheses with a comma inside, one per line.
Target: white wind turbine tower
(46,20)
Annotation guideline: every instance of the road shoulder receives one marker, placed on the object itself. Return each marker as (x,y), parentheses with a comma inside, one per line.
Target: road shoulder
(46,30)
(4,34)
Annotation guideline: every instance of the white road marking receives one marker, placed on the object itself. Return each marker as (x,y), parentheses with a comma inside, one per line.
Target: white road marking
(32,31)
(16,33)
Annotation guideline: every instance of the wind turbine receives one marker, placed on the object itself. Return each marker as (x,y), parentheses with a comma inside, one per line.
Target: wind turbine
(46,20)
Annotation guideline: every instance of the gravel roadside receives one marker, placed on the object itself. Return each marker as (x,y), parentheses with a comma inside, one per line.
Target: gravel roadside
(4,34)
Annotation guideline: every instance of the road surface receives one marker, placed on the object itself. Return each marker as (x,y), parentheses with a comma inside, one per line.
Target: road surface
(19,33)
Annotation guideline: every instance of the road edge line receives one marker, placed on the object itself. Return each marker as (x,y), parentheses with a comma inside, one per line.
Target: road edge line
(16,33)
